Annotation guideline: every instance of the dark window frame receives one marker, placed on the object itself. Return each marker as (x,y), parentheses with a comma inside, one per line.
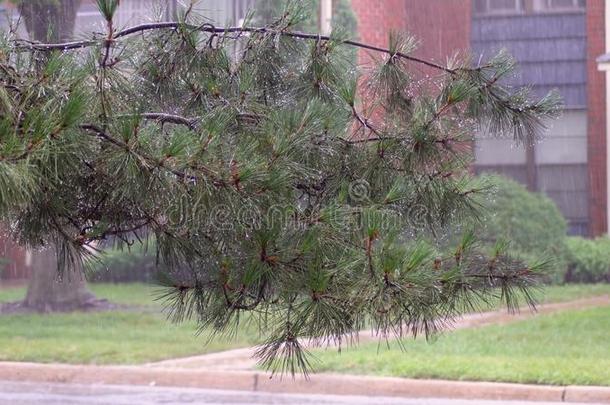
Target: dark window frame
(525,7)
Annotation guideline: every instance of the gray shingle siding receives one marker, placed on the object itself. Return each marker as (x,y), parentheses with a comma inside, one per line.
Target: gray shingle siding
(537,49)
(550,49)
(551,52)
(529,26)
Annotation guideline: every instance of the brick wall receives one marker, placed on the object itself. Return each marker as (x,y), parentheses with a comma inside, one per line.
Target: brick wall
(13,257)
(596,100)
(377,17)
(442,26)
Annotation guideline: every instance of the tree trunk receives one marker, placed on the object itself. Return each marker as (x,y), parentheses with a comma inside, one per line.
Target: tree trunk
(53,21)
(49,20)
(47,292)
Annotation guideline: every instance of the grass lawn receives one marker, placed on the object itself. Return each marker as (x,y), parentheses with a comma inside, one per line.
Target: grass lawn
(571,292)
(137,335)
(141,294)
(125,294)
(133,336)
(558,293)
(564,348)
(105,338)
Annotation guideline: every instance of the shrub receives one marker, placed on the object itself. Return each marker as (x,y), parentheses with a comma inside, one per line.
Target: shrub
(125,265)
(531,222)
(588,260)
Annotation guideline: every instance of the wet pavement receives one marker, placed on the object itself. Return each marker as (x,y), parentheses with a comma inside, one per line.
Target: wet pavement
(16,393)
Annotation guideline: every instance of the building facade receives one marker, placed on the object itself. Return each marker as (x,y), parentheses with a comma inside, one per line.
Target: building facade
(604,67)
(549,41)
(556,43)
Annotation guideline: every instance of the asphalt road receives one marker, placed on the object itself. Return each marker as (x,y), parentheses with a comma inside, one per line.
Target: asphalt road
(16,393)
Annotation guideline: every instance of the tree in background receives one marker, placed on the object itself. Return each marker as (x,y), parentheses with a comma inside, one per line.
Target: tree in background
(343,15)
(270,186)
(343,18)
(49,20)
(52,21)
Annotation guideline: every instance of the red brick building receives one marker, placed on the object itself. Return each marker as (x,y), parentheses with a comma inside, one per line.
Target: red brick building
(596,118)
(556,43)
(442,26)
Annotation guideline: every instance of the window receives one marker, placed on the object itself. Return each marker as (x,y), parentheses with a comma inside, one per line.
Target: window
(498,6)
(240,9)
(130,12)
(559,5)
(491,7)
(222,12)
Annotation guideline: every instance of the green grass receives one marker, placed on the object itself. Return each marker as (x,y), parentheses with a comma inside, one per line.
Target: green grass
(571,292)
(137,335)
(106,338)
(128,294)
(124,294)
(555,294)
(145,294)
(10,294)
(563,348)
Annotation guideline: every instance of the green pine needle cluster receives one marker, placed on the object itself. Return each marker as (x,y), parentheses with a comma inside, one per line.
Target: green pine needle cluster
(278,179)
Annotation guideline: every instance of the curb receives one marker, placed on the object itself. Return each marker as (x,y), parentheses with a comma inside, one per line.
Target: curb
(331,384)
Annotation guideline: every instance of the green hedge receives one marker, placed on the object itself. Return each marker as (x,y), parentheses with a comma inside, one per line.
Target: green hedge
(343,15)
(531,222)
(588,260)
(126,265)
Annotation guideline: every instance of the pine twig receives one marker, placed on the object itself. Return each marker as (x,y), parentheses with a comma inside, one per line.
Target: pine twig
(214,30)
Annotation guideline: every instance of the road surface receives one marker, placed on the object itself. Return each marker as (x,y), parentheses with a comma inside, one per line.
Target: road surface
(17,393)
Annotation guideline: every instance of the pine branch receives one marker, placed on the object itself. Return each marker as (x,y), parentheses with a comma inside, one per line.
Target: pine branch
(268,192)
(165,118)
(29,45)
(153,161)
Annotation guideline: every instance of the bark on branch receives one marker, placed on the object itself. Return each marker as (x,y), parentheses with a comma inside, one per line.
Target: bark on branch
(214,30)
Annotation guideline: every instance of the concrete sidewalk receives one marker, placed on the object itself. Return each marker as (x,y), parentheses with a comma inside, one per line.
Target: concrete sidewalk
(325,384)
(14,393)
